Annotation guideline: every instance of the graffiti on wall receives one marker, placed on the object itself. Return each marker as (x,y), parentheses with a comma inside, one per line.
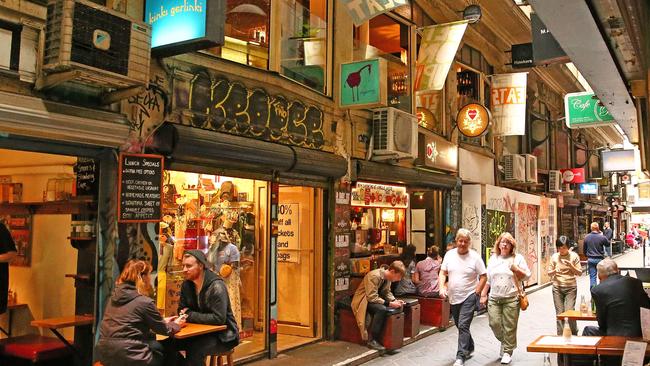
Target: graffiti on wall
(149,108)
(527,231)
(498,222)
(472,221)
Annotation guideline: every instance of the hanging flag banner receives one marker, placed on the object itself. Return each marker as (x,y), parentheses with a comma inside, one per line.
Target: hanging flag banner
(362,10)
(437,51)
(509,104)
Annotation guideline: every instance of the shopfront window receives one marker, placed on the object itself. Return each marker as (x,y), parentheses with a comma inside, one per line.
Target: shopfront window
(247,33)
(226,218)
(385,37)
(304,42)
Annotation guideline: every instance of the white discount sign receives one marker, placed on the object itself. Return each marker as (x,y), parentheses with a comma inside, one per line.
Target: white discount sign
(289,232)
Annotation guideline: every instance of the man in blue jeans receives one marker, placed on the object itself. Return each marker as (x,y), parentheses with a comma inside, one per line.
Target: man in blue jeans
(594,245)
(609,234)
(467,276)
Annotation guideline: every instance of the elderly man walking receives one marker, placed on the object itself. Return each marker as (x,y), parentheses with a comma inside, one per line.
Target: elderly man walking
(467,276)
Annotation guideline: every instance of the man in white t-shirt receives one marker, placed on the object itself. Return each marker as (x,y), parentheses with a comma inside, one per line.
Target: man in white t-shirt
(467,276)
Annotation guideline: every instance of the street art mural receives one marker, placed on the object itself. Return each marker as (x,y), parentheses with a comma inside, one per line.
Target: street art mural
(527,237)
(472,214)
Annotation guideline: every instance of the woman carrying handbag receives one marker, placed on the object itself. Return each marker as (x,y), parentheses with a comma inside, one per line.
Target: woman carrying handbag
(505,271)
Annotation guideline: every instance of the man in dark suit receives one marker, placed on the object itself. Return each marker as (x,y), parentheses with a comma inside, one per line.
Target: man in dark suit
(618,302)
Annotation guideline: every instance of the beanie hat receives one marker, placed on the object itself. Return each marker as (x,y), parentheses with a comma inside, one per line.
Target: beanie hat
(200,257)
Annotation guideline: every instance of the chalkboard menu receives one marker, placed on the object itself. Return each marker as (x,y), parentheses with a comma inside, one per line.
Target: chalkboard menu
(140,190)
(87,171)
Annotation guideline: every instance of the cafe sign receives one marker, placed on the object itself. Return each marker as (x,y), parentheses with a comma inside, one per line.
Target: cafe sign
(379,195)
(436,152)
(473,120)
(363,84)
(585,110)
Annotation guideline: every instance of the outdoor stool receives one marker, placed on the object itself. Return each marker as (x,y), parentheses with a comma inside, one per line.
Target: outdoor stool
(217,359)
(434,311)
(411,317)
(392,336)
(35,349)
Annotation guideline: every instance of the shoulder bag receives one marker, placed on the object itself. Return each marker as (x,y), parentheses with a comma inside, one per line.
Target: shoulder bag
(523,299)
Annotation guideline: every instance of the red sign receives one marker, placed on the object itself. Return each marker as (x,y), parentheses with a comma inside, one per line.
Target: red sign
(576,175)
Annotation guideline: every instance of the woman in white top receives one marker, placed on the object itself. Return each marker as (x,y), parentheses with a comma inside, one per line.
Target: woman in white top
(504,268)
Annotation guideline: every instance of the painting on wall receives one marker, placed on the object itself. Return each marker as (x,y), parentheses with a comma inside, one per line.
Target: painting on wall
(20,227)
(527,231)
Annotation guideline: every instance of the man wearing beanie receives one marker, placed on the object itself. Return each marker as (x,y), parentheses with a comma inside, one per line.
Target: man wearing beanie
(204,298)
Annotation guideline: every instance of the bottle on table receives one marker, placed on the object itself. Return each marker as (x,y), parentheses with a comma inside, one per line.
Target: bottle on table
(584,308)
(566,332)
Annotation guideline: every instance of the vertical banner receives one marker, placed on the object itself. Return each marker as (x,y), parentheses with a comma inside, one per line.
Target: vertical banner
(437,51)
(363,10)
(508,96)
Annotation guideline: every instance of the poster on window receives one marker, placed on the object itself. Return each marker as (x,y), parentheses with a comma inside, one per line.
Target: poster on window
(20,227)
(289,232)
(437,52)
(508,97)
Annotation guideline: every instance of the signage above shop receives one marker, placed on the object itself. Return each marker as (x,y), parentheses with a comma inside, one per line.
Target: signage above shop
(140,188)
(379,195)
(438,49)
(181,26)
(572,176)
(473,120)
(522,56)
(584,109)
(546,50)
(618,160)
(436,152)
(508,96)
(589,188)
(363,10)
(363,84)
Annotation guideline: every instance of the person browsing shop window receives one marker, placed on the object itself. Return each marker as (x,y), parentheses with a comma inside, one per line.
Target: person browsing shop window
(7,254)
(373,296)
(426,273)
(594,250)
(467,276)
(563,270)
(504,269)
(125,336)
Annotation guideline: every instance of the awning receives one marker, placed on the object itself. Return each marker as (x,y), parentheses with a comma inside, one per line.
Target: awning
(368,170)
(41,119)
(210,152)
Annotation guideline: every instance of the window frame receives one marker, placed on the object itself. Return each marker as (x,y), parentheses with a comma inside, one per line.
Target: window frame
(16,35)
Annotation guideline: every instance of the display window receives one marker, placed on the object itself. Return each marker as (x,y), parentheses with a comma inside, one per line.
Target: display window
(304,42)
(385,37)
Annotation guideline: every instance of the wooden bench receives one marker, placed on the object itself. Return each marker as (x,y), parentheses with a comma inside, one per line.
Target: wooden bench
(392,335)
(434,311)
(35,349)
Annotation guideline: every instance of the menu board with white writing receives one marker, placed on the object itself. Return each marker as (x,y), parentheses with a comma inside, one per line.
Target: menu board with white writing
(140,188)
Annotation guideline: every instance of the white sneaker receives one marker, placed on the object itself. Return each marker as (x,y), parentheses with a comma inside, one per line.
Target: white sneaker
(506,359)
(459,362)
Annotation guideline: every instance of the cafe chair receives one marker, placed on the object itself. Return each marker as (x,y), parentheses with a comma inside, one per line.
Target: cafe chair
(217,359)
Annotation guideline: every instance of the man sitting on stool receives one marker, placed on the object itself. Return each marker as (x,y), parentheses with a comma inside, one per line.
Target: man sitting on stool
(374,296)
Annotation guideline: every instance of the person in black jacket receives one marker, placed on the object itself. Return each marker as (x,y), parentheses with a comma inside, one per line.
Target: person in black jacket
(125,336)
(209,305)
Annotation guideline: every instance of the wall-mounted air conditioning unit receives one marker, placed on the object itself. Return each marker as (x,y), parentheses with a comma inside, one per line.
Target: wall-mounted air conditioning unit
(394,134)
(515,168)
(531,168)
(90,44)
(554,181)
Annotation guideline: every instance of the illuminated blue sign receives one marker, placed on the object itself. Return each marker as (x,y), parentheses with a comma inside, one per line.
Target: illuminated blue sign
(180,26)
(589,188)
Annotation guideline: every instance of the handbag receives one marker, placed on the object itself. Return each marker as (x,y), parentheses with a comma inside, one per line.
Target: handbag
(523,299)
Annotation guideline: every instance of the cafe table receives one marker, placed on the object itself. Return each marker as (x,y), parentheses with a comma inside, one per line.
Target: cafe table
(577,315)
(193,330)
(556,344)
(54,324)
(10,308)
(615,345)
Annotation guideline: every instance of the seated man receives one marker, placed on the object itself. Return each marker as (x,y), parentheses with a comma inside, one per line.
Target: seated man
(374,296)
(207,305)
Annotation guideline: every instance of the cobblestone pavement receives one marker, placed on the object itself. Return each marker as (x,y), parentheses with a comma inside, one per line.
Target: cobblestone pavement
(539,319)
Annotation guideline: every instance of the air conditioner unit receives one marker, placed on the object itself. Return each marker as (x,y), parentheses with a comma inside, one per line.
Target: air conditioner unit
(90,44)
(394,134)
(531,168)
(554,181)
(515,168)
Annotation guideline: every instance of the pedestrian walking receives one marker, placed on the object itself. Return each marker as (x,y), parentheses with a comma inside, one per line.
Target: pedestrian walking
(609,235)
(563,270)
(594,250)
(504,271)
(467,276)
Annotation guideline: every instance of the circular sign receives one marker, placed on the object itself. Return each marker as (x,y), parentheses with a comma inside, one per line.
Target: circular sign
(473,120)
(426,119)
(567,176)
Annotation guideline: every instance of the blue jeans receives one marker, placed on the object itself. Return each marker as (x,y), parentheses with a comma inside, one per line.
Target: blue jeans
(591,265)
(463,314)
(608,250)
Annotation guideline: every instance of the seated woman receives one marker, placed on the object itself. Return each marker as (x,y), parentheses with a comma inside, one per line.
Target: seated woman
(125,336)
(426,273)
(406,285)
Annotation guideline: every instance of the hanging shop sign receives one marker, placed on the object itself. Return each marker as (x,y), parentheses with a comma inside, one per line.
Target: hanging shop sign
(436,152)
(522,55)
(508,96)
(473,120)
(585,110)
(140,188)
(361,84)
(363,10)
(289,232)
(437,51)
(576,175)
(618,160)
(546,50)
(181,26)
(379,195)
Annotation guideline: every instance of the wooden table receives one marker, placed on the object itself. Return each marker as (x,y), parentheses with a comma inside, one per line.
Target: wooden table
(577,315)
(10,309)
(54,324)
(615,345)
(193,330)
(564,349)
